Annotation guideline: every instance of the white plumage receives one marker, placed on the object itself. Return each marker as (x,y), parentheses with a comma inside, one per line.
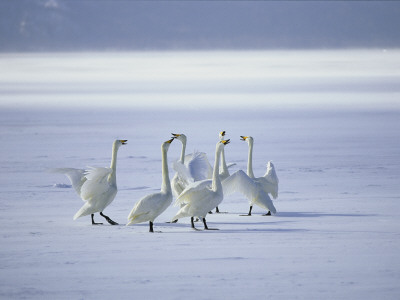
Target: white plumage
(200,197)
(151,206)
(256,190)
(189,168)
(96,186)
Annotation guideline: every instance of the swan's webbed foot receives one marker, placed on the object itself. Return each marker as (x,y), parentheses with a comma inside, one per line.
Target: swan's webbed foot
(174,221)
(217,211)
(249,214)
(267,214)
(206,227)
(108,219)
(93,222)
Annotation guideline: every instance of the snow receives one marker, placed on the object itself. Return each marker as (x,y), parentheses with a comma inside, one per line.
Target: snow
(336,234)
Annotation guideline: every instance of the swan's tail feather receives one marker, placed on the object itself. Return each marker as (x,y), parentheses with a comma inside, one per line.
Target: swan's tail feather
(179,215)
(134,219)
(83,211)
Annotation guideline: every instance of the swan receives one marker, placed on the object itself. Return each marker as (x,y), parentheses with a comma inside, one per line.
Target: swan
(223,169)
(96,186)
(255,189)
(189,168)
(202,196)
(151,206)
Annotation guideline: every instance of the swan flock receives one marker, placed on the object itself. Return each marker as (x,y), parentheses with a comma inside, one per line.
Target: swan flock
(197,186)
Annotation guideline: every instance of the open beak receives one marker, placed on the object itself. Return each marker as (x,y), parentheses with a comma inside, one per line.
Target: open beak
(123,142)
(175,135)
(243,138)
(225,142)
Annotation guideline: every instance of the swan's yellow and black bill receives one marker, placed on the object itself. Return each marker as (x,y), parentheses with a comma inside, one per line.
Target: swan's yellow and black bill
(226,142)
(175,135)
(243,138)
(123,142)
(170,141)
(222,133)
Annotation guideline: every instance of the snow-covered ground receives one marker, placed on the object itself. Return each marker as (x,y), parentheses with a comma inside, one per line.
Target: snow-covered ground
(336,234)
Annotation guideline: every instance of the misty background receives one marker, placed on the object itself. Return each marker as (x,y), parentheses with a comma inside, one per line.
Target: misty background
(108,25)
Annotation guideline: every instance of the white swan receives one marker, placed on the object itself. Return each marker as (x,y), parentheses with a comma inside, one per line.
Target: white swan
(255,189)
(202,196)
(223,169)
(189,168)
(96,186)
(151,206)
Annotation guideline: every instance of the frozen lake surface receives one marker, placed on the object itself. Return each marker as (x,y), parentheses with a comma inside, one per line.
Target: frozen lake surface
(336,234)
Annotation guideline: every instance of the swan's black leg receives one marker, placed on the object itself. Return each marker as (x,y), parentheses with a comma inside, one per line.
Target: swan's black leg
(205,224)
(151,226)
(249,214)
(206,227)
(192,221)
(108,219)
(267,214)
(93,222)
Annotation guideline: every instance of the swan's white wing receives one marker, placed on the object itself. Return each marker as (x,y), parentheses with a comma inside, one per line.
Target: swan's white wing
(264,201)
(188,193)
(240,182)
(76,176)
(271,182)
(184,175)
(97,183)
(149,207)
(198,166)
(270,174)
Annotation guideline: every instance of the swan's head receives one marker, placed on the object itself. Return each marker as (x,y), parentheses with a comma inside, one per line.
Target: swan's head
(179,136)
(221,144)
(119,143)
(166,144)
(221,135)
(247,139)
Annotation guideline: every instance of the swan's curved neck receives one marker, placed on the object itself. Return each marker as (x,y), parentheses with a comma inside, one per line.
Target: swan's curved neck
(216,182)
(250,161)
(166,184)
(113,166)
(182,159)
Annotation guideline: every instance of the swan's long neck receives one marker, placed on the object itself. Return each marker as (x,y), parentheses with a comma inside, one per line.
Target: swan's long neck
(112,178)
(250,161)
(182,159)
(223,165)
(166,184)
(216,182)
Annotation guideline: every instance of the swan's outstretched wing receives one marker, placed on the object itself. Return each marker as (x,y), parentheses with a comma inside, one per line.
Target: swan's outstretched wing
(193,190)
(96,183)
(76,176)
(198,166)
(263,200)
(270,174)
(250,188)
(240,182)
(183,173)
(271,182)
